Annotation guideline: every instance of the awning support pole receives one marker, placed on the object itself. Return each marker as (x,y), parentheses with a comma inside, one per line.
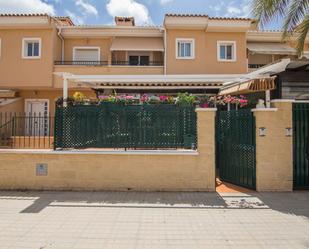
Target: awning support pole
(267,97)
(65,91)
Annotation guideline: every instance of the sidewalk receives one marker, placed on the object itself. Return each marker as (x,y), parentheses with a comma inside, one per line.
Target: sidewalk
(62,220)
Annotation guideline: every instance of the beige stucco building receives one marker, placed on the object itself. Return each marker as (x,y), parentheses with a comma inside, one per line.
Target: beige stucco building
(195,53)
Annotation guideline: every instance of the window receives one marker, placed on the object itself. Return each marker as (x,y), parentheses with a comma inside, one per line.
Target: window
(184,48)
(141,60)
(86,54)
(226,51)
(31,48)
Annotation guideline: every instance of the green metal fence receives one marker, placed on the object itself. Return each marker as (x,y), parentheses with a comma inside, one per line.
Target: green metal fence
(125,126)
(301,145)
(235,147)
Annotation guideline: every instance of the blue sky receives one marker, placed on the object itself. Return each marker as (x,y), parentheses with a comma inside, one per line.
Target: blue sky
(145,11)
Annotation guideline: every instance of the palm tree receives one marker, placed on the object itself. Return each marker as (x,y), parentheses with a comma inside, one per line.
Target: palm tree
(295,14)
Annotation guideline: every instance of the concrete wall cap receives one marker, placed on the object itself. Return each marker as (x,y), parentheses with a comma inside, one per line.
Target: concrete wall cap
(265,110)
(102,152)
(301,101)
(282,100)
(206,109)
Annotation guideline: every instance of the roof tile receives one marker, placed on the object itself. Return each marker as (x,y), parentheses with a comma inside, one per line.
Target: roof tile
(211,18)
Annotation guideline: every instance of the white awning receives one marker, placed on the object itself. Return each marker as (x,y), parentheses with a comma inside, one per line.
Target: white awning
(137,44)
(158,78)
(203,81)
(271,48)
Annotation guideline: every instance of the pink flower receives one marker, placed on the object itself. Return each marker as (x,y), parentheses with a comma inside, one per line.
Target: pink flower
(204,105)
(144,98)
(103,97)
(163,98)
(129,97)
(243,101)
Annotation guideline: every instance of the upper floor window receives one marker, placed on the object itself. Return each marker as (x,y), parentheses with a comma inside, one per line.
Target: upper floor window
(86,54)
(139,60)
(226,51)
(185,48)
(31,48)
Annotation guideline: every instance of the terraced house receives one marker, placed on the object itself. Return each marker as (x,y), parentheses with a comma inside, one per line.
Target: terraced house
(43,58)
(195,53)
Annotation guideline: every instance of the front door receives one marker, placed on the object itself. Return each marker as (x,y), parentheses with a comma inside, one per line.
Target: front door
(36,120)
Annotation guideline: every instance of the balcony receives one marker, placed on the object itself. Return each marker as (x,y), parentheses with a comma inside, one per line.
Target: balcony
(82,63)
(105,68)
(113,63)
(253,67)
(138,63)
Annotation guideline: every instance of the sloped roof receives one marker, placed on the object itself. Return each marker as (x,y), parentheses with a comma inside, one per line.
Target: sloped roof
(60,18)
(16,15)
(211,18)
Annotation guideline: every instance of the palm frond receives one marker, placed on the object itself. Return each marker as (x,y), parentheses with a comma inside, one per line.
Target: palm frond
(302,31)
(296,13)
(267,10)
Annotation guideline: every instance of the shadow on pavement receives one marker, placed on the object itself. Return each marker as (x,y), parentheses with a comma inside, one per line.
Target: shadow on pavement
(296,203)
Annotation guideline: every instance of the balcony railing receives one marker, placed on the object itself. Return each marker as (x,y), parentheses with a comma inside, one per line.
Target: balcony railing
(255,66)
(130,63)
(113,63)
(83,63)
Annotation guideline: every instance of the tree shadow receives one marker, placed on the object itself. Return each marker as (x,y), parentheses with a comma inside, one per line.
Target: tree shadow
(295,203)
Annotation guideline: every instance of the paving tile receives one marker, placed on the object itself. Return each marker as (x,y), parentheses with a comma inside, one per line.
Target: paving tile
(115,220)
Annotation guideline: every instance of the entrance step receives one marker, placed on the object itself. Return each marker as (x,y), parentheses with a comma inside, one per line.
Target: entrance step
(224,187)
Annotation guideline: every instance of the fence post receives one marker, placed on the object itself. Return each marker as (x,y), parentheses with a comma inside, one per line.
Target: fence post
(206,121)
(274,150)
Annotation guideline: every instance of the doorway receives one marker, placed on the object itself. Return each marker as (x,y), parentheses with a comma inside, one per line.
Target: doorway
(36,118)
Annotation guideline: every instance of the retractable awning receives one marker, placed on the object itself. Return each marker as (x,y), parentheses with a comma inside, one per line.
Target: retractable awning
(271,48)
(257,81)
(253,85)
(137,44)
(7,93)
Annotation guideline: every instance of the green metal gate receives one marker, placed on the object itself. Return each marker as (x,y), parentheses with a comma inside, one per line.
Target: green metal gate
(235,147)
(301,145)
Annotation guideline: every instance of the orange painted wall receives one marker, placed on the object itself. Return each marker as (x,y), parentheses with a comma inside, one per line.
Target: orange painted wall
(205,61)
(18,72)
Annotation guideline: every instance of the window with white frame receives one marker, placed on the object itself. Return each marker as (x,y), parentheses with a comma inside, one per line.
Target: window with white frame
(226,51)
(185,48)
(31,48)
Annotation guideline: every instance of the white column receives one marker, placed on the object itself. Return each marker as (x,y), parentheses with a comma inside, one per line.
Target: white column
(65,91)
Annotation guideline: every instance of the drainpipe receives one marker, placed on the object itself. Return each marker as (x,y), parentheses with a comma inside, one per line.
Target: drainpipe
(62,43)
(165,55)
(60,36)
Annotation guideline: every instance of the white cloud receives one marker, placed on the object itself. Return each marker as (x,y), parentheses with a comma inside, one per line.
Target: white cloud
(236,8)
(26,7)
(233,10)
(77,19)
(87,7)
(163,2)
(129,8)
